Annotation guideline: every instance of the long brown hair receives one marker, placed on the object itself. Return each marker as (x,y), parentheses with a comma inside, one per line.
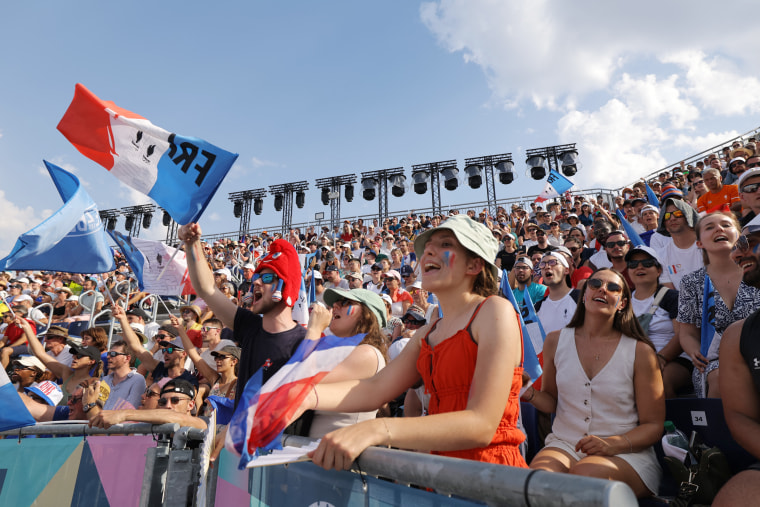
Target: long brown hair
(625,321)
(698,229)
(485,283)
(374,336)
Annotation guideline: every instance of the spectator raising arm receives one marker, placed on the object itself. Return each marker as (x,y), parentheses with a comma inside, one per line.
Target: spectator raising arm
(146,358)
(59,369)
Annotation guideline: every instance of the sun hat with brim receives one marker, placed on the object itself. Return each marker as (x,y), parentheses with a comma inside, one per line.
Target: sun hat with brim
(746,175)
(643,249)
(57,332)
(472,235)
(366,297)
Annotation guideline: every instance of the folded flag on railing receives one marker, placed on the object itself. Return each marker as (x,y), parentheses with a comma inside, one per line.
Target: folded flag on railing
(13,413)
(71,240)
(148,259)
(264,411)
(556,185)
(180,173)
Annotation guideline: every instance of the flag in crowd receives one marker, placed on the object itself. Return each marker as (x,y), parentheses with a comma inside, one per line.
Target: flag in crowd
(264,411)
(301,308)
(530,360)
(708,316)
(556,185)
(71,240)
(181,174)
(651,196)
(148,259)
(633,236)
(14,414)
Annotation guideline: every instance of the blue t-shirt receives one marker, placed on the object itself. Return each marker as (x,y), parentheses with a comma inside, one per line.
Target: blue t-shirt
(536,291)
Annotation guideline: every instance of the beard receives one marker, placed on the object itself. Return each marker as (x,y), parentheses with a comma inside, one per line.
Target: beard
(264,305)
(752,277)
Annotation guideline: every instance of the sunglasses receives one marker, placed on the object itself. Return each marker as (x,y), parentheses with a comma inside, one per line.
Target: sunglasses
(700,182)
(596,284)
(573,248)
(162,402)
(751,188)
(413,322)
(206,329)
(221,357)
(169,350)
(613,244)
(673,214)
(164,336)
(19,367)
(647,263)
(548,263)
(753,164)
(73,400)
(113,353)
(266,278)
(742,244)
(80,356)
(151,394)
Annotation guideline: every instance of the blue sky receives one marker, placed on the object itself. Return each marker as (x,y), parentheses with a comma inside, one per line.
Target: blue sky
(304,90)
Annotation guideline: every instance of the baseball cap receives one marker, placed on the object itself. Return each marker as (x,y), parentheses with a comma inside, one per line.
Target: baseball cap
(406,270)
(30,362)
(178,385)
(89,351)
(227,350)
(176,343)
(366,297)
(645,249)
(47,390)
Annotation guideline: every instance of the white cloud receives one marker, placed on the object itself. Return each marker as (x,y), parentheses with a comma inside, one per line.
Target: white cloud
(16,221)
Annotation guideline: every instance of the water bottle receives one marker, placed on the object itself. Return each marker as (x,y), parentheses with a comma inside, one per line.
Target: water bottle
(675,443)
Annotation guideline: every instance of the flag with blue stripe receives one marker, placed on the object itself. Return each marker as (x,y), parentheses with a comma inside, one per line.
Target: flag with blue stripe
(13,414)
(530,360)
(556,185)
(71,240)
(181,174)
(708,316)
(651,196)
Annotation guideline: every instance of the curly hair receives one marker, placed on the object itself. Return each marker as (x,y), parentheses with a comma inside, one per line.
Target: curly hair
(374,336)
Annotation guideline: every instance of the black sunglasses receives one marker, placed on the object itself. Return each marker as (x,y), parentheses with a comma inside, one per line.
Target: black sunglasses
(596,283)
(413,322)
(113,353)
(647,263)
(750,188)
(162,402)
(613,244)
(151,394)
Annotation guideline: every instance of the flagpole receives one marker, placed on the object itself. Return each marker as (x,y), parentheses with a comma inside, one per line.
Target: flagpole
(181,244)
(9,307)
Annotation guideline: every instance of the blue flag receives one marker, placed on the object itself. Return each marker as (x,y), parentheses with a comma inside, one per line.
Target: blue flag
(530,360)
(531,311)
(708,316)
(651,196)
(629,230)
(556,185)
(132,254)
(72,239)
(13,414)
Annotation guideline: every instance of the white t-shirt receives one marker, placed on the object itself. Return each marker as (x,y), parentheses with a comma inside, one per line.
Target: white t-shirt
(600,259)
(660,327)
(554,315)
(677,262)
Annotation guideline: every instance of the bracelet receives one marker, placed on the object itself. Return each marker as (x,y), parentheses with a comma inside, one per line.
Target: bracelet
(629,442)
(316,395)
(532,394)
(387,431)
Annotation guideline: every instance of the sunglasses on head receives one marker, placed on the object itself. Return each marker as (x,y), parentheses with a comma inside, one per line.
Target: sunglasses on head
(113,353)
(750,188)
(613,244)
(162,402)
(647,263)
(151,394)
(596,283)
(673,214)
(266,278)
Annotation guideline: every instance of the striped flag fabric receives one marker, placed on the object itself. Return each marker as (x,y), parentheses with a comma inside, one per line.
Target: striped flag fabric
(264,411)
(13,414)
(180,173)
(556,185)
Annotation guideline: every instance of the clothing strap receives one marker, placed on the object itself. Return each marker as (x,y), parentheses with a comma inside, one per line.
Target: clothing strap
(657,299)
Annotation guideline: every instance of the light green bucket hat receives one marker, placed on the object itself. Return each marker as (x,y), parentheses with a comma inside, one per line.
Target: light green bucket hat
(363,296)
(472,235)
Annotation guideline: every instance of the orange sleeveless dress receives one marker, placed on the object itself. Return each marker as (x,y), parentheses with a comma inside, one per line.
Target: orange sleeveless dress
(447,370)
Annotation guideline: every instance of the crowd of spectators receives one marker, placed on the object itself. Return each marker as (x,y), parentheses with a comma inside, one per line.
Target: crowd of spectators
(677,233)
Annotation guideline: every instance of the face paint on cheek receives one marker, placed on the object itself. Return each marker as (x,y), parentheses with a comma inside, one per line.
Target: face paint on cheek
(350,311)
(756,249)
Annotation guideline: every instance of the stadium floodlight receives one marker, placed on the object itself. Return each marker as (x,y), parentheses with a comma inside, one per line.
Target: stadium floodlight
(146,221)
(369,185)
(278,198)
(536,166)
(300,199)
(474,174)
(111,223)
(569,162)
(129,222)
(349,192)
(450,178)
(506,172)
(325,196)
(258,206)
(420,179)
(166,219)
(398,185)
(237,208)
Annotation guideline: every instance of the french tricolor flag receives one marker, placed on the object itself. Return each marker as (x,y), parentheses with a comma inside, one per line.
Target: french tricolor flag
(264,411)
(180,173)
(556,185)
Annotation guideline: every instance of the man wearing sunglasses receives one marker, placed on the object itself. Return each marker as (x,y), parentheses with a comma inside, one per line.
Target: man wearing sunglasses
(126,384)
(676,242)
(739,379)
(558,306)
(749,184)
(212,340)
(175,405)
(266,333)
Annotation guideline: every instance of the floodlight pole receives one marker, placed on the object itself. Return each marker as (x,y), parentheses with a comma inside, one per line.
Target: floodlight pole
(334,184)
(245,197)
(551,154)
(487,163)
(287,190)
(106,215)
(433,170)
(381,177)
(137,213)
